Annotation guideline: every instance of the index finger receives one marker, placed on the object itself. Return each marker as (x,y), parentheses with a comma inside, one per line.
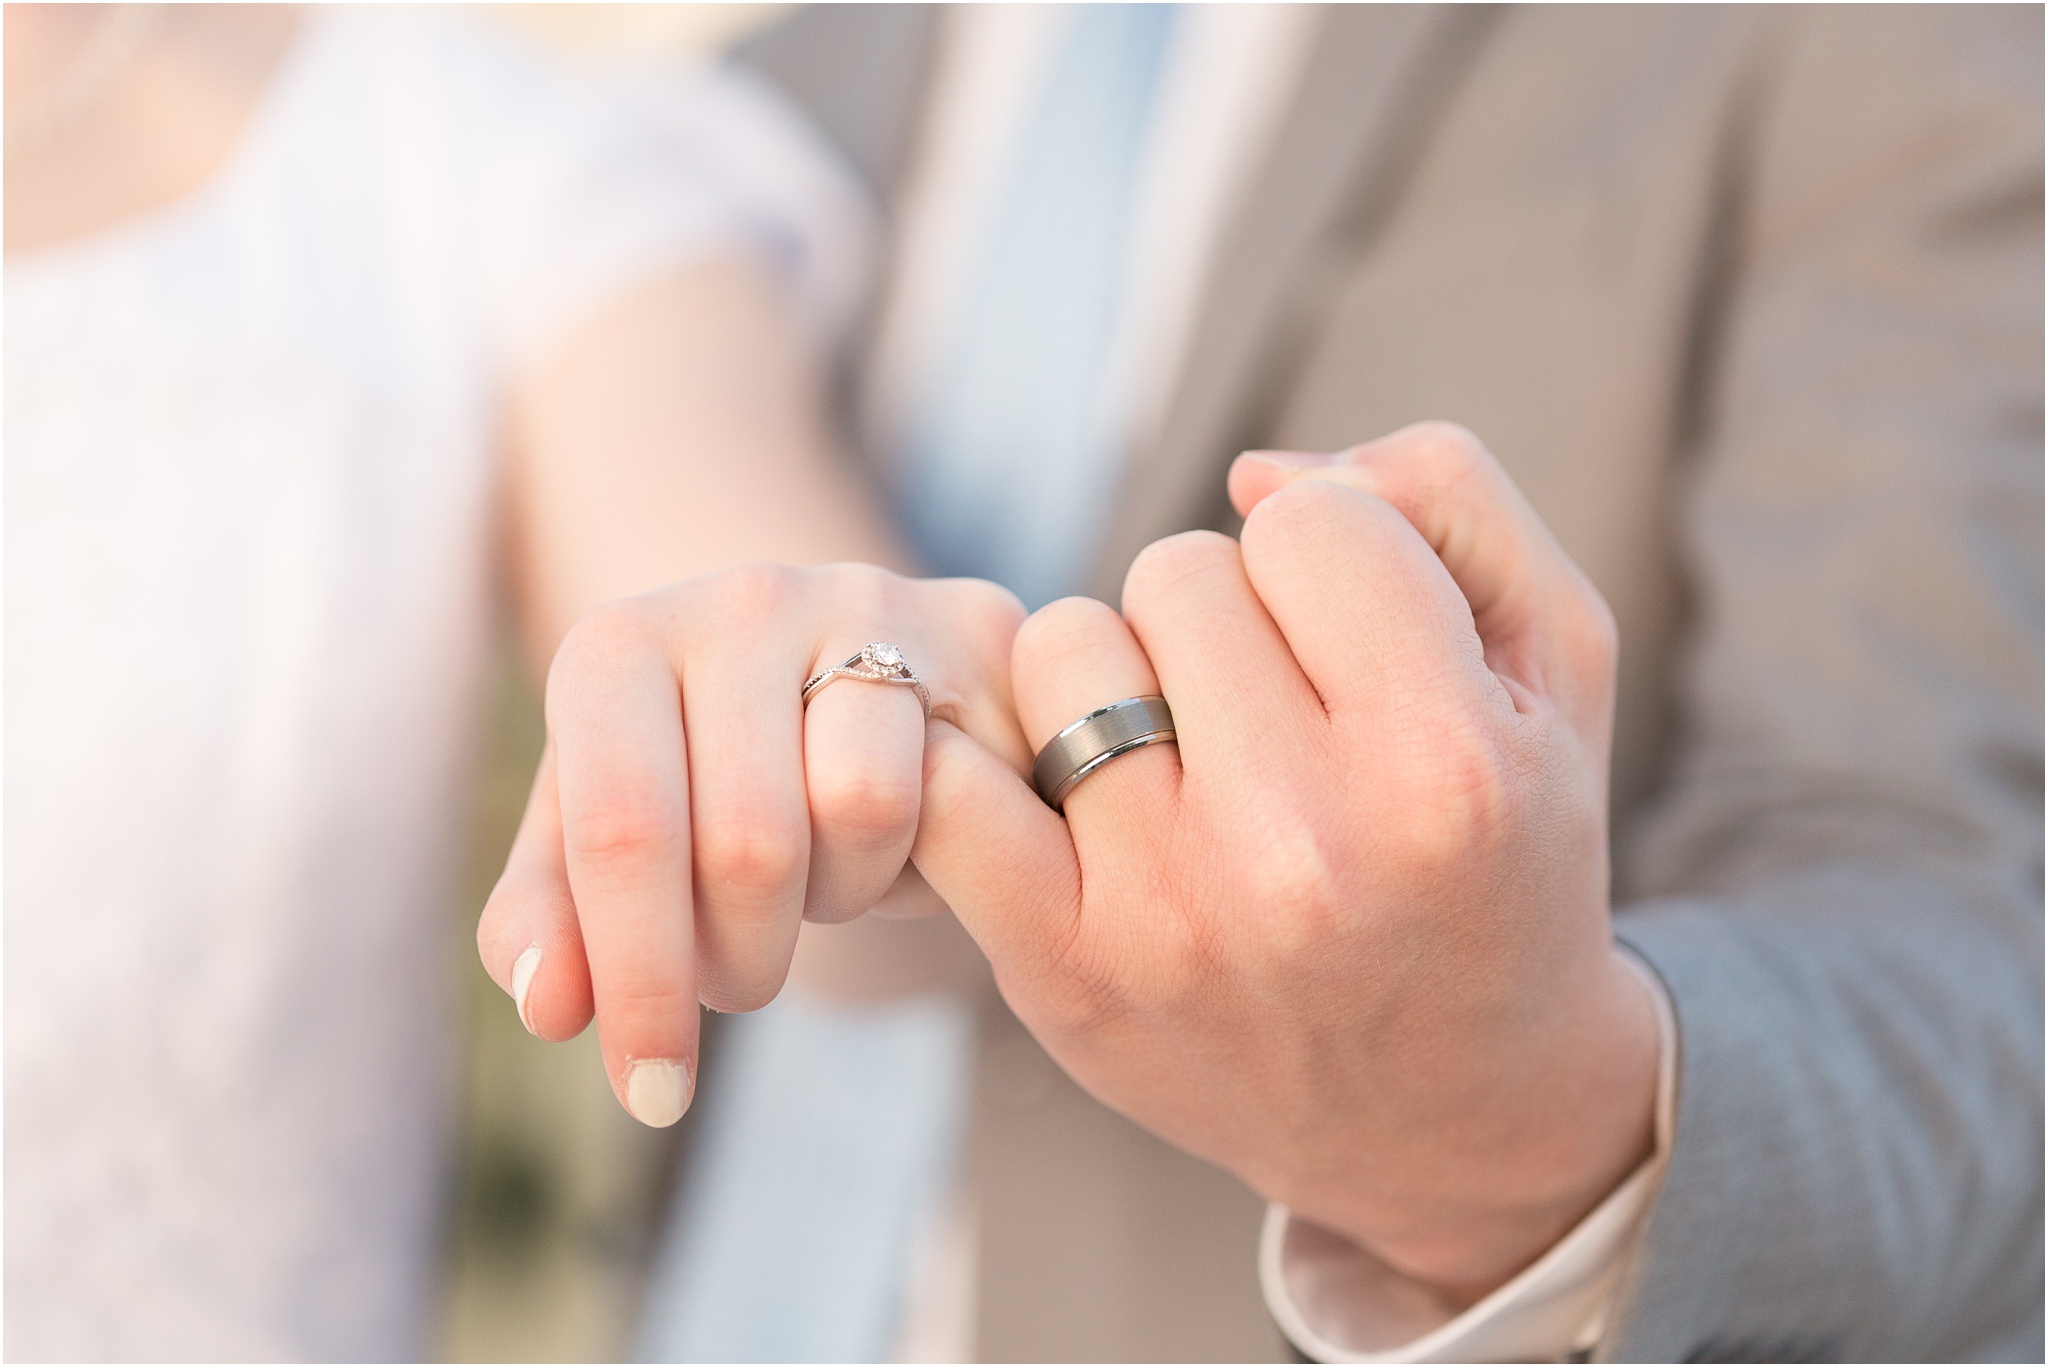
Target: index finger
(1236,690)
(615,716)
(1369,611)
(1538,616)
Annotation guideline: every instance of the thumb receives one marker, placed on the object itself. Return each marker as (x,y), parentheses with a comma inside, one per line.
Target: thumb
(999,856)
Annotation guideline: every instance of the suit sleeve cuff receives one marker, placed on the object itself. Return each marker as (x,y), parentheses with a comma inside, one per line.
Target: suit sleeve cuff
(1338,1303)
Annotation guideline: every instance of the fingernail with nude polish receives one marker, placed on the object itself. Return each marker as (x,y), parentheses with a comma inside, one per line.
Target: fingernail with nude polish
(523,969)
(1295,460)
(657,1091)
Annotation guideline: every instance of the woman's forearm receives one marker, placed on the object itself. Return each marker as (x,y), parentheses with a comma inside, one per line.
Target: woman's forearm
(681,431)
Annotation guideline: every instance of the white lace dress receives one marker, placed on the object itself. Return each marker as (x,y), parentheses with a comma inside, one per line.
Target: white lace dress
(248,476)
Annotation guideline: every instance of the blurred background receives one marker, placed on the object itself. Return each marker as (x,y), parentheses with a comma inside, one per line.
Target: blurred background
(559,1190)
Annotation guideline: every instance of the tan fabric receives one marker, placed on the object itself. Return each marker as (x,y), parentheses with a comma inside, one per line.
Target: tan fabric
(1749,302)
(1100,1243)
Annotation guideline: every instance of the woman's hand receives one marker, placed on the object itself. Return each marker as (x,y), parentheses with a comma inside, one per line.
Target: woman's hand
(690,811)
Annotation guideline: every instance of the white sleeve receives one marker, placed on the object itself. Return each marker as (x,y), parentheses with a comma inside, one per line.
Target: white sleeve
(1338,1303)
(804,210)
(574,185)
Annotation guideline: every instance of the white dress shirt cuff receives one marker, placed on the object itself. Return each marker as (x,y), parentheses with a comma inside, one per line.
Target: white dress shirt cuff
(1338,1303)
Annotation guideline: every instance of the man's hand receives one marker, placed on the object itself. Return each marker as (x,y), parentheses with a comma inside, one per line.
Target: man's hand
(1351,939)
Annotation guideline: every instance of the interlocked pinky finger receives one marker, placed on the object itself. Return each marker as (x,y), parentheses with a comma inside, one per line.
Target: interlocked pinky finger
(528,935)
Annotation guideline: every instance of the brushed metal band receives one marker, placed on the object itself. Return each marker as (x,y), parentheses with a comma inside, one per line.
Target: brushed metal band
(1094,741)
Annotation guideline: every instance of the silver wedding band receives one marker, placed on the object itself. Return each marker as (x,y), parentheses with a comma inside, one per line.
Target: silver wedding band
(1094,741)
(875,662)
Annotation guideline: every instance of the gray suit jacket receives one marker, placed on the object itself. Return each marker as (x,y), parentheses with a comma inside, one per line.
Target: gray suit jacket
(1749,302)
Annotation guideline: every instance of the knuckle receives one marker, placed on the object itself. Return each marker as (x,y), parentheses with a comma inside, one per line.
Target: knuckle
(987,608)
(1457,466)
(1463,803)
(600,639)
(1423,462)
(1292,514)
(758,590)
(1295,533)
(868,802)
(1295,869)
(988,637)
(1176,563)
(870,600)
(750,854)
(1448,446)
(628,831)
(1063,630)
(860,582)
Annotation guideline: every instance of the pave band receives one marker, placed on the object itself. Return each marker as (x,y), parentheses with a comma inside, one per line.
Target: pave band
(875,662)
(1095,740)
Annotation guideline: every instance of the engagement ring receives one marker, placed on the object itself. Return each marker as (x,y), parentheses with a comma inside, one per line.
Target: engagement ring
(875,662)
